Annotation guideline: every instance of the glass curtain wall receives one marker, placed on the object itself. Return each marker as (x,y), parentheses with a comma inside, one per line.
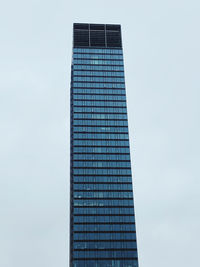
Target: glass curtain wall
(102,230)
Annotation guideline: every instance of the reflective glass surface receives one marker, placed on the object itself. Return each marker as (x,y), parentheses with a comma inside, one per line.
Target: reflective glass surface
(103,230)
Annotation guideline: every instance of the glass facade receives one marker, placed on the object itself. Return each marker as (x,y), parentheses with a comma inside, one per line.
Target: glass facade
(102,221)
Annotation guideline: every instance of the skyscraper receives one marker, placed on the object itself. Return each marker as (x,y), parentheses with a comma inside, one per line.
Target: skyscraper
(102,221)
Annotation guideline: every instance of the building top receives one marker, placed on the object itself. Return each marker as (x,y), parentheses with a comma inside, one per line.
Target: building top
(96,35)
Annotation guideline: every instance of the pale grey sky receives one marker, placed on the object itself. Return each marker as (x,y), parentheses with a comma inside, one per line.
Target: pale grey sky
(162,61)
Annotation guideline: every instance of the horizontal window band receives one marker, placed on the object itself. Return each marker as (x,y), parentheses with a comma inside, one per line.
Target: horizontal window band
(92,100)
(125,140)
(107,120)
(99,98)
(101,160)
(107,175)
(96,70)
(106,113)
(98,82)
(73,112)
(98,139)
(100,126)
(98,112)
(102,65)
(97,54)
(89,146)
(84,132)
(106,249)
(101,153)
(97,76)
(101,82)
(105,190)
(102,232)
(77,190)
(106,139)
(97,59)
(101,146)
(99,116)
(102,168)
(106,168)
(106,154)
(75,203)
(97,88)
(107,183)
(92,56)
(102,57)
(107,215)
(91,119)
(99,94)
(102,207)
(89,48)
(99,259)
(97,50)
(100,198)
(83,106)
(80,90)
(105,240)
(105,223)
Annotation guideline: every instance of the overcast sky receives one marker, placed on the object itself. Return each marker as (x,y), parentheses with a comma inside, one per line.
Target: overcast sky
(162,61)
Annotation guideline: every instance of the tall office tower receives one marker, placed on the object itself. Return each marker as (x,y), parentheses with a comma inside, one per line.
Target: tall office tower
(102,227)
